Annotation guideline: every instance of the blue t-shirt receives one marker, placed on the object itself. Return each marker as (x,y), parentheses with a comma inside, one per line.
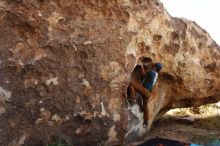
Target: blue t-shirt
(150,79)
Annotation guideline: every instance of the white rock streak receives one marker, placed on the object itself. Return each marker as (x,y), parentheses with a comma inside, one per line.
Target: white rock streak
(52,80)
(103,113)
(137,127)
(4,94)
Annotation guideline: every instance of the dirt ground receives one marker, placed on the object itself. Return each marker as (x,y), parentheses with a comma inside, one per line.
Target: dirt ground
(194,125)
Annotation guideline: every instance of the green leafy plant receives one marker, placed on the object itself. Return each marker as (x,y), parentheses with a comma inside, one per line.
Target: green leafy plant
(58,142)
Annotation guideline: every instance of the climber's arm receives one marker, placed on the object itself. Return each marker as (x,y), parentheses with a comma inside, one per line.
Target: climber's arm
(131,93)
(142,71)
(139,88)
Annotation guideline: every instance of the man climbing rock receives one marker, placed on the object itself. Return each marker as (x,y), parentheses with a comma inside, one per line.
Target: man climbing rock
(145,88)
(137,76)
(150,78)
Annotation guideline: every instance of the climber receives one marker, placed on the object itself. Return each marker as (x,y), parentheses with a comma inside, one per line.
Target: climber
(149,79)
(137,76)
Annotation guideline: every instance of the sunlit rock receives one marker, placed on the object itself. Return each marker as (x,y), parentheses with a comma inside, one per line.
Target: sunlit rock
(75,58)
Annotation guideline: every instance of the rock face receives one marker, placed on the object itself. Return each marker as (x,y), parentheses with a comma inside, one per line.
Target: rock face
(65,67)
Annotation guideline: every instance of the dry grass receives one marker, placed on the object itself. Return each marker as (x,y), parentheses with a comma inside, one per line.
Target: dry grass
(206,117)
(202,112)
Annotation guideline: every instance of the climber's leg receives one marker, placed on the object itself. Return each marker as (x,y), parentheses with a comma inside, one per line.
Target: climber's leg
(131,94)
(151,112)
(145,95)
(152,109)
(155,106)
(145,109)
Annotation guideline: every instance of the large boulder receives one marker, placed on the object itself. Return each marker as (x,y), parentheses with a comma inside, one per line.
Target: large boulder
(65,67)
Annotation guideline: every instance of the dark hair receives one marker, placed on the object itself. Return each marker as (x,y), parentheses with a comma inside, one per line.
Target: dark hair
(158,66)
(146,60)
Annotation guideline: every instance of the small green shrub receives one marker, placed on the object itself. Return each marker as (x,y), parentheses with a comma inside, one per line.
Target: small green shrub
(58,142)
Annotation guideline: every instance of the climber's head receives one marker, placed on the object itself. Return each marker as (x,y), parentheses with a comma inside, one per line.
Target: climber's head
(157,67)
